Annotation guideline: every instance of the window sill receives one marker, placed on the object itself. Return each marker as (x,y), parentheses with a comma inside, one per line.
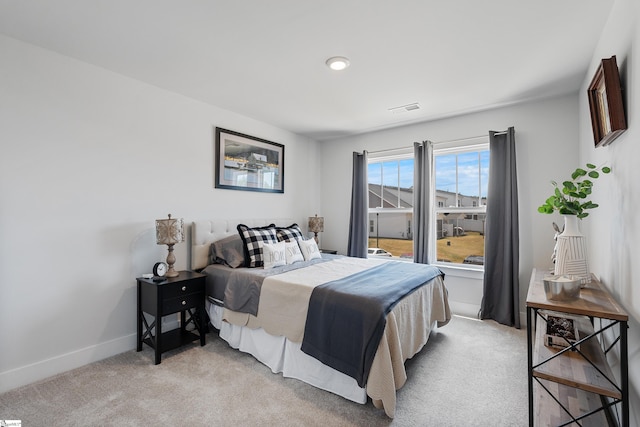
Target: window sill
(461,270)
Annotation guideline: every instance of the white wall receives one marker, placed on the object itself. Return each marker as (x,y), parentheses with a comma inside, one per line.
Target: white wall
(546,148)
(89,160)
(613,230)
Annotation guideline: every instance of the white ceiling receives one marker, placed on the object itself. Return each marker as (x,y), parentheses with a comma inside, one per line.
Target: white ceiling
(266,58)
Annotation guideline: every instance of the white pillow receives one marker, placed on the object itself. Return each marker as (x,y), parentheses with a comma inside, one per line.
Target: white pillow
(274,254)
(293,252)
(309,249)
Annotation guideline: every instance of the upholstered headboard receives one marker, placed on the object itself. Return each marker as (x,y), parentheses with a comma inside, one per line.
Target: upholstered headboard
(205,232)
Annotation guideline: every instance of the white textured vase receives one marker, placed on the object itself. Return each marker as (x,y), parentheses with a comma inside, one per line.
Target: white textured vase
(571,252)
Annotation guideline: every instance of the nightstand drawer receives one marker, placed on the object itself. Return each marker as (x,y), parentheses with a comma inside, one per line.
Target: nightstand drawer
(170,290)
(172,305)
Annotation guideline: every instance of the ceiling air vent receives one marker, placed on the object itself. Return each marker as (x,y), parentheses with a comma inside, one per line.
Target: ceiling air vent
(405,108)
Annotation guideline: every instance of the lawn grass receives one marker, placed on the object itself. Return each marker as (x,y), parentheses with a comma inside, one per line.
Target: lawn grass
(451,249)
(456,249)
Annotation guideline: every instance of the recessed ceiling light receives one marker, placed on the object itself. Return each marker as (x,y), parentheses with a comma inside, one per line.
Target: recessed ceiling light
(337,63)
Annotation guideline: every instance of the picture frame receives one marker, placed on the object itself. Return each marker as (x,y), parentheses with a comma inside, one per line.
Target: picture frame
(247,163)
(606,103)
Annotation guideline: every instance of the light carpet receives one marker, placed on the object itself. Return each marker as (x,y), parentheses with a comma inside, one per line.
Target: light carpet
(470,373)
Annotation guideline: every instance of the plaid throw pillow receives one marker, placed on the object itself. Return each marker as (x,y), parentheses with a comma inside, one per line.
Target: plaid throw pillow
(253,239)
(291,233)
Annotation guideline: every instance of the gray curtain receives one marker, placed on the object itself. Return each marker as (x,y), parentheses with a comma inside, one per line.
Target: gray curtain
(358,225)
(422,201)
(501,295)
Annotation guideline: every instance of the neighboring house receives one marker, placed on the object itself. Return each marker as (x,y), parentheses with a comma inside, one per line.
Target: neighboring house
(398,225)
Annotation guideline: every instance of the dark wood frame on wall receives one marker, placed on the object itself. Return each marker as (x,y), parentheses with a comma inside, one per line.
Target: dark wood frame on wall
(244,162)
(606,103)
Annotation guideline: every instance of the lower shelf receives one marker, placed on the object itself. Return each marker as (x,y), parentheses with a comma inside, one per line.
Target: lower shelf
(571,368)
(549,413)
(174,339)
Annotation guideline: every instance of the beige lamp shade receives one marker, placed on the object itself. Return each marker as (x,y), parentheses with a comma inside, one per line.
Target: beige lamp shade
(169,232)
(316,225)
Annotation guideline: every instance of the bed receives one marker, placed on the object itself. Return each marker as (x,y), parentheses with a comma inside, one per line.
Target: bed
(273,309)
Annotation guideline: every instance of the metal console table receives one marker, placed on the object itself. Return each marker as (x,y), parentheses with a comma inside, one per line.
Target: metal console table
(576,385)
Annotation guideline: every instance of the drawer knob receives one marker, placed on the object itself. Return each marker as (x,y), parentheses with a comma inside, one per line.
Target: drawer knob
(184,303)
(184,288)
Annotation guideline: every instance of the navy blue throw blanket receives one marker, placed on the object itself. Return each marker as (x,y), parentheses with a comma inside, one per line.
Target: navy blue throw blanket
(347,317)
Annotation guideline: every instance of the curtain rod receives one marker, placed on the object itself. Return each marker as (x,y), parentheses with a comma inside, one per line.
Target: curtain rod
(439,142)
(470,138)
(504,132)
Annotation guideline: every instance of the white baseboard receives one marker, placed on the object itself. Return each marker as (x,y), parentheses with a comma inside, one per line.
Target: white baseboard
(464,309)
(46,368)
(471,310)
(65,362)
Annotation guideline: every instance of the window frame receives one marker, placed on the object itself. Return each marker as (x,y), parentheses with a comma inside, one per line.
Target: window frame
(451,147)
(457,147)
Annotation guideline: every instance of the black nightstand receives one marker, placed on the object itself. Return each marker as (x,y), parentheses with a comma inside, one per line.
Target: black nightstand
(184,294)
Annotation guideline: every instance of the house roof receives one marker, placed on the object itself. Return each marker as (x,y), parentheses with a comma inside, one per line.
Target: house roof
(398,197)
(392,197)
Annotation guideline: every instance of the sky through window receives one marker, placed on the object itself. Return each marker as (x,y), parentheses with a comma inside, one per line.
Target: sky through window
(471,165)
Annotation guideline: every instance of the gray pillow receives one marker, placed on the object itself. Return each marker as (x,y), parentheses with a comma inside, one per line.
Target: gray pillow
(228,251)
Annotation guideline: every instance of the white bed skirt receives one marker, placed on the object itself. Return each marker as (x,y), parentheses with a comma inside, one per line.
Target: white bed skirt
(284,356)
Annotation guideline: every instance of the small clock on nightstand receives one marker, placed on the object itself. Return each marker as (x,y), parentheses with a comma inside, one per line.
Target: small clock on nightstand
(160,269)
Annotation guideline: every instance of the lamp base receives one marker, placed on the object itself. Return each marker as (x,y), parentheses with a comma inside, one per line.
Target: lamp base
(172,273)
(171,259)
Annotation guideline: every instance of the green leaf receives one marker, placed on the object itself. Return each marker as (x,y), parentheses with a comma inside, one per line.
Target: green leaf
(567,197)
(578,172)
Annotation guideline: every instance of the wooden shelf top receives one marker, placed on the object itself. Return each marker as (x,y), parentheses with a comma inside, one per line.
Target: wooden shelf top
(595,300)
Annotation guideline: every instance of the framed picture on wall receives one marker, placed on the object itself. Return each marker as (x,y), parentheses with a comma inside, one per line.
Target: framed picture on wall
(248,163)
(606,103)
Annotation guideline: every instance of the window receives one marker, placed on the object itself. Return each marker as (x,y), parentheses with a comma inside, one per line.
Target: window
(461,184)
(391,204)
(461,173)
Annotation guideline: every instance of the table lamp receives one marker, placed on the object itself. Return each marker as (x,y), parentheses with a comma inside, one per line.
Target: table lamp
(316,225)
(169,232)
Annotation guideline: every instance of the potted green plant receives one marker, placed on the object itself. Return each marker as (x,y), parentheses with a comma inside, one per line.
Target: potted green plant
(571,198)
(570,254)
